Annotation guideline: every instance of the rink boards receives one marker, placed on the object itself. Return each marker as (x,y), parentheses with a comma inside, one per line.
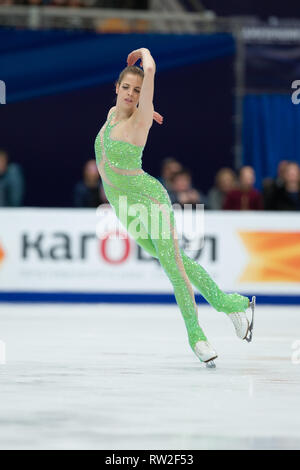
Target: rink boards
(87,255)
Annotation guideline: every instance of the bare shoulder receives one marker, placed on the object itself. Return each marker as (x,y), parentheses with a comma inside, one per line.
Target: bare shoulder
(111,111)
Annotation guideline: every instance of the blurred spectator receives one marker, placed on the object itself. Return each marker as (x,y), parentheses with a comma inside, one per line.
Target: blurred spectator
(245,197)
(280,172)
(120,4)
(35,2)
(286,196)
(11,182)
(89,192)
(128,4)
(169,167)
(225,181)
(58,3)
(182,192)
(270,184)
(75,3)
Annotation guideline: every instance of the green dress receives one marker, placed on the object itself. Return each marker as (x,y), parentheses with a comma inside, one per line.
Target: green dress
(143,206)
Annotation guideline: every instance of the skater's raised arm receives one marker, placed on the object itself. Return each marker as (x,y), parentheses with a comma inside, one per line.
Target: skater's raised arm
(145,111)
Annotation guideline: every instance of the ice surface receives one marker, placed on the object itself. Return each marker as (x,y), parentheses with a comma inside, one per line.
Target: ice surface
(123,377)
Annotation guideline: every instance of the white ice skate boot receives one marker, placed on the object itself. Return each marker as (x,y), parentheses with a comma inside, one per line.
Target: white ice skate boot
(241,323)
(205,352)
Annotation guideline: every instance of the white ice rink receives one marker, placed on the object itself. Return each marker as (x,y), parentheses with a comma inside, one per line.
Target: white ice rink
(123,377)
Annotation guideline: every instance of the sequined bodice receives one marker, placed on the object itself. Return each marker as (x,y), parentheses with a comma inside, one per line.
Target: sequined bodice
(119,153)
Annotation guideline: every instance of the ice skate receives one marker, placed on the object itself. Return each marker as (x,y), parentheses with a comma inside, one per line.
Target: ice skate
(241,323)
(205,352)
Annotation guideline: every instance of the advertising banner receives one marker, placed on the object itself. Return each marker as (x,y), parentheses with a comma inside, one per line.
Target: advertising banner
(86,251)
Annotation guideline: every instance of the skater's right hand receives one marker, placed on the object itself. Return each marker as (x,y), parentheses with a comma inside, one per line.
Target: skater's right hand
(158,117)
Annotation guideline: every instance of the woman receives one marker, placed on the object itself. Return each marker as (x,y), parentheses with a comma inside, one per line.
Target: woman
(225,181)
(119,147)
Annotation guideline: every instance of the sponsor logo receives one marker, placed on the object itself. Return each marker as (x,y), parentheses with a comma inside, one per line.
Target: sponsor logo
(2,255)
(274,256)
(64,246)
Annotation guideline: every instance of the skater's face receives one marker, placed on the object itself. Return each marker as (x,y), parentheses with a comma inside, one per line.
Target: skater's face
(128,91)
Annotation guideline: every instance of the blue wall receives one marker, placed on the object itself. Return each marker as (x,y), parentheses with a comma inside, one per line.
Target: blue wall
(270,133)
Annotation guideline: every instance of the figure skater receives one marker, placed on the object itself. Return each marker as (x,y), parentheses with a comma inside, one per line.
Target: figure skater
(119,147)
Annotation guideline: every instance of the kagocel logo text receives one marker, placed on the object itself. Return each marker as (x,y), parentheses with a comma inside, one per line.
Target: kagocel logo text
(62,246)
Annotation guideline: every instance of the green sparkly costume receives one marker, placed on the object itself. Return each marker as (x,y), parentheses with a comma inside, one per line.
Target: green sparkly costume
(120,166)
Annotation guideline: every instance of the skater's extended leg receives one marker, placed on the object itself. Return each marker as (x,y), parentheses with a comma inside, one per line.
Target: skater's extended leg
(199,277)
(222,302)
(232,304)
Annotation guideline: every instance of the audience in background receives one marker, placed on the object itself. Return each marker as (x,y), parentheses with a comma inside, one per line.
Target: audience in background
(182,192)
(228,193)
(284,194)
(225,181)
(89,192)
(269,184)
(120,4)
(245,196)
(11,182)
(169,167)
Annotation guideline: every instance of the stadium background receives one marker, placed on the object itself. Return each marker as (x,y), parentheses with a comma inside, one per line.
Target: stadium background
(223,95)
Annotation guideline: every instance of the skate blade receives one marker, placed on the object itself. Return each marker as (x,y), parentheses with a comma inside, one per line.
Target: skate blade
(210,364)
(248,337)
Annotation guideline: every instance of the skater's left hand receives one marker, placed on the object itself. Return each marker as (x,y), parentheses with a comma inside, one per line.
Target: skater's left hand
(134,56)
(158,117)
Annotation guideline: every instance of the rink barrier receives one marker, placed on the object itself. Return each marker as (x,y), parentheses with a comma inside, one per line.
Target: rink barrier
(119,298)
(68,255)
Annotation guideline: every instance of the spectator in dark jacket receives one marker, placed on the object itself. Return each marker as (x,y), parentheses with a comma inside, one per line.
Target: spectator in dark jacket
(271,184)
(245,197)
(11,182)
(89,192)
(286,197)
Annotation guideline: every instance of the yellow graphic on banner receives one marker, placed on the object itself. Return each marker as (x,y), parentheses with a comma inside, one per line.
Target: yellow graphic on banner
(274,256)
(2,254)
